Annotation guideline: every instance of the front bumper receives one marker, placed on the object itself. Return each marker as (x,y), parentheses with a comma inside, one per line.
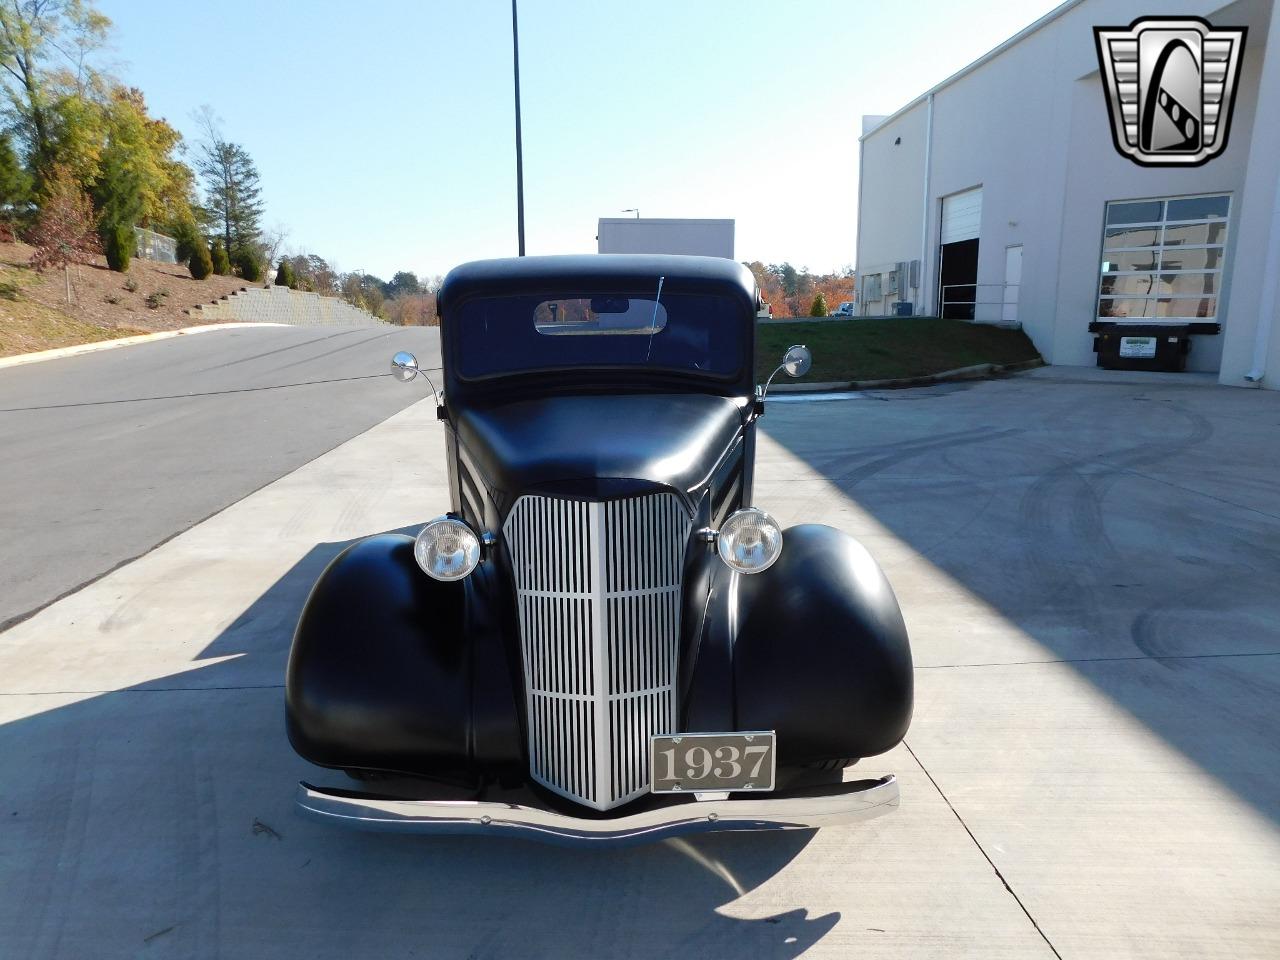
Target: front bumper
(793,810)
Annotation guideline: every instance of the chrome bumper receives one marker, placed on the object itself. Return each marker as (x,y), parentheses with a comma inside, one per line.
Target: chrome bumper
(798,810)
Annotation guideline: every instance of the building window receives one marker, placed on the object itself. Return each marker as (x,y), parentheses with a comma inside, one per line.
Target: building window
(1162,259)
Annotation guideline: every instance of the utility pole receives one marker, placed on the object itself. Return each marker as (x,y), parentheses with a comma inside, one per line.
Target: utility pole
(515,47)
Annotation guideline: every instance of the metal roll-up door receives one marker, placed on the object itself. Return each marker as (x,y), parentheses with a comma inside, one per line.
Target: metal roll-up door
(961,216)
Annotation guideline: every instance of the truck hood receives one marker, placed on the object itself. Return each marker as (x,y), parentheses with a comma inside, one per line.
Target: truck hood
(674,440)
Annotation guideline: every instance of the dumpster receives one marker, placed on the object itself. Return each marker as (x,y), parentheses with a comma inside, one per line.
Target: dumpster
(902,308)
(1137,346)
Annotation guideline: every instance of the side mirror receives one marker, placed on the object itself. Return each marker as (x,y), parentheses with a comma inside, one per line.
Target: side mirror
(404,366)
(797,360)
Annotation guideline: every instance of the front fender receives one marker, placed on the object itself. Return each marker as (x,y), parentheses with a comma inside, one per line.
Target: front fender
(392,670)
(819,650)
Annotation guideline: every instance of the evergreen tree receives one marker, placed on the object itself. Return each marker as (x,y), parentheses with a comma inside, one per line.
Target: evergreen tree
(284,273)
(15,182)
(819,308)
(187,236)
(221,262)
(249,264)
(118,244)
(201,264)
(233,203)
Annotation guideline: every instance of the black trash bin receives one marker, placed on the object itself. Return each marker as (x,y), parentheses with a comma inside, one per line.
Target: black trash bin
(1139,346)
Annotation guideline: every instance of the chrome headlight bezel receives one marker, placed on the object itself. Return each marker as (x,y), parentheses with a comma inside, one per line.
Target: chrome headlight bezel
(461,554)
(757,524)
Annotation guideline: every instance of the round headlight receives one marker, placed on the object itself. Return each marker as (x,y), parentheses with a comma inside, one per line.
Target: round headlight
(750,540)
(447,549)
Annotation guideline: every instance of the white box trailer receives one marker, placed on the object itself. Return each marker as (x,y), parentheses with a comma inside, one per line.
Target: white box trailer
(706,238)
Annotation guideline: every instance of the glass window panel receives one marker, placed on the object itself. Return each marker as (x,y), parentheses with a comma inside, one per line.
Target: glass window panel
(1215,232)
(1123,308)
(1189,284)
(1198,208)
(1145,211)
(1196,307)
(1157,308)
(1132,284)
(1132,237)
(1202,258)
(1129,260)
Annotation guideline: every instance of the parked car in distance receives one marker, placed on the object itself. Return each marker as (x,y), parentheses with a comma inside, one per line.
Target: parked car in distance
(605,639)
(846,309)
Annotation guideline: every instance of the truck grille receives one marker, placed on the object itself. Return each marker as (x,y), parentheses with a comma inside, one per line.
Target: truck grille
(598,589)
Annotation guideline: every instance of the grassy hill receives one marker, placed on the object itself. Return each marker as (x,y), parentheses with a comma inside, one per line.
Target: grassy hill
(887,349)
(35,314)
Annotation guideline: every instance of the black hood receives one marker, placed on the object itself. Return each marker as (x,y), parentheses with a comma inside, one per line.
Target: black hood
(674,440)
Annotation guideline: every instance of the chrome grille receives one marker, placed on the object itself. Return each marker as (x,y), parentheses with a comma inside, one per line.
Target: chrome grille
(598,590)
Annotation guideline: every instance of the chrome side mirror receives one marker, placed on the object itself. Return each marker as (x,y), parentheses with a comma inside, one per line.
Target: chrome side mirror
(404,366)
(797,360)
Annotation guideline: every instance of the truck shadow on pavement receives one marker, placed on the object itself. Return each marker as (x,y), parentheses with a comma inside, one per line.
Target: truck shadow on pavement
(160,819)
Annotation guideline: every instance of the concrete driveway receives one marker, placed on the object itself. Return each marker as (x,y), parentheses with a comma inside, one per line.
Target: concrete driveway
(1088,571)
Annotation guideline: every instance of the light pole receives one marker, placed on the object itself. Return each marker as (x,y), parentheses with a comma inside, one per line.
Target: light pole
(515,50)
(635,210)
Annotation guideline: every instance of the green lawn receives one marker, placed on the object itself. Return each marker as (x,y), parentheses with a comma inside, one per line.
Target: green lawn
(886,349)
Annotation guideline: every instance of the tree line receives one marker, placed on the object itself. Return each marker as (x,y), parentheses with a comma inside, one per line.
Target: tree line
(82,160)
(799,293)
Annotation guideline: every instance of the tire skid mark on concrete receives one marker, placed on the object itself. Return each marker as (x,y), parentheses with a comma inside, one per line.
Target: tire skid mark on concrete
(66,851)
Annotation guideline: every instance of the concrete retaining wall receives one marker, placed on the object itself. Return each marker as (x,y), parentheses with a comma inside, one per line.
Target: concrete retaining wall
(282,305)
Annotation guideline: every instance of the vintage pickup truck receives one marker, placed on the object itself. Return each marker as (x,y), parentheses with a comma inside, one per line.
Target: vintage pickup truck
(604,639)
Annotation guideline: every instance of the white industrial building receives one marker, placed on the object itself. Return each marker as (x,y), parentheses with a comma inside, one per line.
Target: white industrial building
(999,196)
(704,238)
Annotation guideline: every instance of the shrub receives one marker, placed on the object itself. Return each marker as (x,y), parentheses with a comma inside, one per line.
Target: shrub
(111,298)
(221,262)
(284,273)
(819,307)
(248,265)
(118,243)
(155,299)
(131,285)
(200,264)
(186,239)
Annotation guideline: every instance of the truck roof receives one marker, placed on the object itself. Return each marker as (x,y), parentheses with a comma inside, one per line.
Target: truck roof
(598,273)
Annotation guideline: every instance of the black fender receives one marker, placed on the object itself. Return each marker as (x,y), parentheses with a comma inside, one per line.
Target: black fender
(813,648)
(392,670)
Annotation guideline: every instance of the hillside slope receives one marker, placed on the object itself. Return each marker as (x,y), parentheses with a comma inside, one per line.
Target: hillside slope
(35,314)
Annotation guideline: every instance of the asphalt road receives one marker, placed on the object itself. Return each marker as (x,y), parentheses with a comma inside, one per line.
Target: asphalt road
(105,455)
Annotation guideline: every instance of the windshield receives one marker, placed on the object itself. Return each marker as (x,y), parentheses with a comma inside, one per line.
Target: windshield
(690,333)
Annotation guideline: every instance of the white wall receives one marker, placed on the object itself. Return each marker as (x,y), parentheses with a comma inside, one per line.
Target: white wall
(889,215)
(706,238)
(1030,127)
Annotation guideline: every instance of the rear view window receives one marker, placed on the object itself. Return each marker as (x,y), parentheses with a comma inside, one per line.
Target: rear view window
(600,315)
(692,333)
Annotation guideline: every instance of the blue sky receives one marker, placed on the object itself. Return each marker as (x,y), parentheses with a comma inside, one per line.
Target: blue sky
(383,130)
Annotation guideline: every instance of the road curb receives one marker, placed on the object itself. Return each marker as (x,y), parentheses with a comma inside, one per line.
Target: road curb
(73,351)
(978,371)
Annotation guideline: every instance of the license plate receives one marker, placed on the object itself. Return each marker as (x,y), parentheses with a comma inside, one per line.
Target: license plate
(712,762)
(1142,347)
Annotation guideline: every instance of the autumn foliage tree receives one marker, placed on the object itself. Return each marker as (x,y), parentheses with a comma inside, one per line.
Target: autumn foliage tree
(66,230)
(791,292)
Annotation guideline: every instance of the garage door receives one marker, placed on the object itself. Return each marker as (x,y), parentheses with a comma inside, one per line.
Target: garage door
(961,216)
